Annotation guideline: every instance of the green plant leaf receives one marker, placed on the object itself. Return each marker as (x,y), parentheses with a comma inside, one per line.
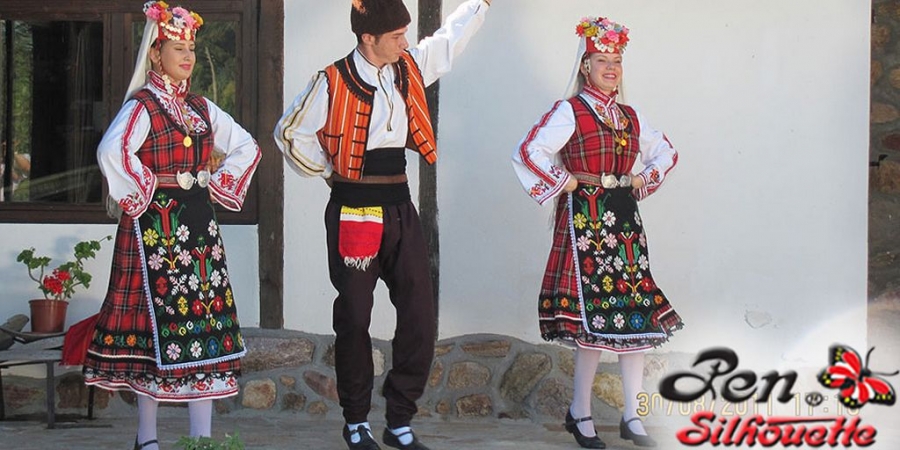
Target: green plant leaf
(231,442)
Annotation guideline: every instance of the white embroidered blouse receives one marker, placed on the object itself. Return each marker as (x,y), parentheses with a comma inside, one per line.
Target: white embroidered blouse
(537,159)
(132,184)
(389,125)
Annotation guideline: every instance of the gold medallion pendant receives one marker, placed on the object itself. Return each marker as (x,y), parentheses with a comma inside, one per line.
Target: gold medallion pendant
(188,141)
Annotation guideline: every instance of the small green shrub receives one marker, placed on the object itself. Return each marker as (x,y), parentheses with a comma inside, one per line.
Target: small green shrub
(231,442)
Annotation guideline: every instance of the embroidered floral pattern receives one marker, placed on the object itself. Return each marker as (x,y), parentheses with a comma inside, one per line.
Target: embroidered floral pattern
(206,386)
(190,286)
(183,233)
(539,189)
(556,171)
(130,203)
(619,302)
(619,320)
(226,180)
(580,221)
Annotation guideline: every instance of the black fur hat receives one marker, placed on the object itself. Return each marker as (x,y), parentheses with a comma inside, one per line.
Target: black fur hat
(378,16)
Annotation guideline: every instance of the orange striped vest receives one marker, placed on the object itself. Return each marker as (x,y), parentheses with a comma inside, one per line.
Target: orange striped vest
(350,99)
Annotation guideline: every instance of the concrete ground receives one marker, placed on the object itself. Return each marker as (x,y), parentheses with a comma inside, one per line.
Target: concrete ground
(283,431)
(280,432)
(259,431)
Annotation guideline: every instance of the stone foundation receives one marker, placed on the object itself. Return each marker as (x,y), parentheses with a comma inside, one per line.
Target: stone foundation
(884,155)
(472,377)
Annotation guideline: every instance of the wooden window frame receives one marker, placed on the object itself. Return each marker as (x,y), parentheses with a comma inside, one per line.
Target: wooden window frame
(118,16)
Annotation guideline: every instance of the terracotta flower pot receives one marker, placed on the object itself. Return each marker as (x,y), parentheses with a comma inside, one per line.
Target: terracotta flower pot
(48,316)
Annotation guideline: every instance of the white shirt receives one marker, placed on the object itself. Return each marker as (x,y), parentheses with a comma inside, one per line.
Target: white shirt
(295,132)
(129,179)
(537,161)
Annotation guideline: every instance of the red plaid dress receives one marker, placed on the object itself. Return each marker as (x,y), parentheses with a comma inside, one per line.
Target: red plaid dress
(591,151)
(122,354)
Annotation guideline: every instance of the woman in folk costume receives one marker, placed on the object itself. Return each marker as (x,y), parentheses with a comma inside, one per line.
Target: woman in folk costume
(597,292)
(168,329)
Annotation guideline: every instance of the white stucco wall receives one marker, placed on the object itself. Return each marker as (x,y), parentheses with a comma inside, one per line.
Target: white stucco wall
(763,221)
(768,112)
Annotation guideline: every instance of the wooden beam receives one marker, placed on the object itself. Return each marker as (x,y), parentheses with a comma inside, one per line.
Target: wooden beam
(63,9)
(429,22)
(270,174)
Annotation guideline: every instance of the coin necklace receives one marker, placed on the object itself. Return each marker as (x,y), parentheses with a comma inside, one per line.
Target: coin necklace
(203,177)
(189,127)
(621,140)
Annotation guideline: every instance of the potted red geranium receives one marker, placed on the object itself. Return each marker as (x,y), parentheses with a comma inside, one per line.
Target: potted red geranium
(48,315)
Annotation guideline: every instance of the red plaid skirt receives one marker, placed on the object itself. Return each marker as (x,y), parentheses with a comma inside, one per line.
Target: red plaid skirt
(560,304)
(122,354)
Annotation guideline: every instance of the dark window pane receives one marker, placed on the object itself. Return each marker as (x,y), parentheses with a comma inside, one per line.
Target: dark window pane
(215,76)
(63,70)
(4,173)
(53,83)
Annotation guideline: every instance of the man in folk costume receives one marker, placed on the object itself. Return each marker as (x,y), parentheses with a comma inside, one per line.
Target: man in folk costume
(352,125)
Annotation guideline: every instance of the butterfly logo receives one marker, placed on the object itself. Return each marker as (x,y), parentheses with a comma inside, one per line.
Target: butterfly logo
(857,384)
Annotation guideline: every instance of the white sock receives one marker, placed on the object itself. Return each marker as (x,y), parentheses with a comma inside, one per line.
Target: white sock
(354,436)
(407,438)
(147,408)
(201,418)
(632,367)
(586,361)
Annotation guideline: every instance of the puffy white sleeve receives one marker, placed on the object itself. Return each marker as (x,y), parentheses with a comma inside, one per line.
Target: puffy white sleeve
(537,161)
(228,185)
(296,131)
(131,184)
(435,54)
(658,157)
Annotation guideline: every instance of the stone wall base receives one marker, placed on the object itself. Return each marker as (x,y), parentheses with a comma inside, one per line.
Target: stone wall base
(472,377)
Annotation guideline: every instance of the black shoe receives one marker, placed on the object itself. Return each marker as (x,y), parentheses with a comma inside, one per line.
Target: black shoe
(641,440)
(140,446)
(394,441)
(365,439)
(582,440)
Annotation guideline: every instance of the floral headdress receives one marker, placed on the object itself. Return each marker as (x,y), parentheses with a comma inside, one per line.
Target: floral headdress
(175,24)
(602,35)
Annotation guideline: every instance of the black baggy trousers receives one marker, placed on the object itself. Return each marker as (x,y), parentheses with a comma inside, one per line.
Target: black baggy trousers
(402,263)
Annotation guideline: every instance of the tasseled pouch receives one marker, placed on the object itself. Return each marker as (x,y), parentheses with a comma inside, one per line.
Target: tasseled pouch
(359,238)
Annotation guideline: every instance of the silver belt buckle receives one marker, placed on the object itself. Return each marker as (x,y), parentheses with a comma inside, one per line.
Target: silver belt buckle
(186,180)
(203,178)
(625,181)
(608,181)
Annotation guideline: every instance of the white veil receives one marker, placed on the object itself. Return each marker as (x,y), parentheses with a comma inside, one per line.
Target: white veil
(142,63)
(138,80)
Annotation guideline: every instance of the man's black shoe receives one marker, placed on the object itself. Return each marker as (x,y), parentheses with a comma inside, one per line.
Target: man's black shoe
(394,441)
(365,439)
